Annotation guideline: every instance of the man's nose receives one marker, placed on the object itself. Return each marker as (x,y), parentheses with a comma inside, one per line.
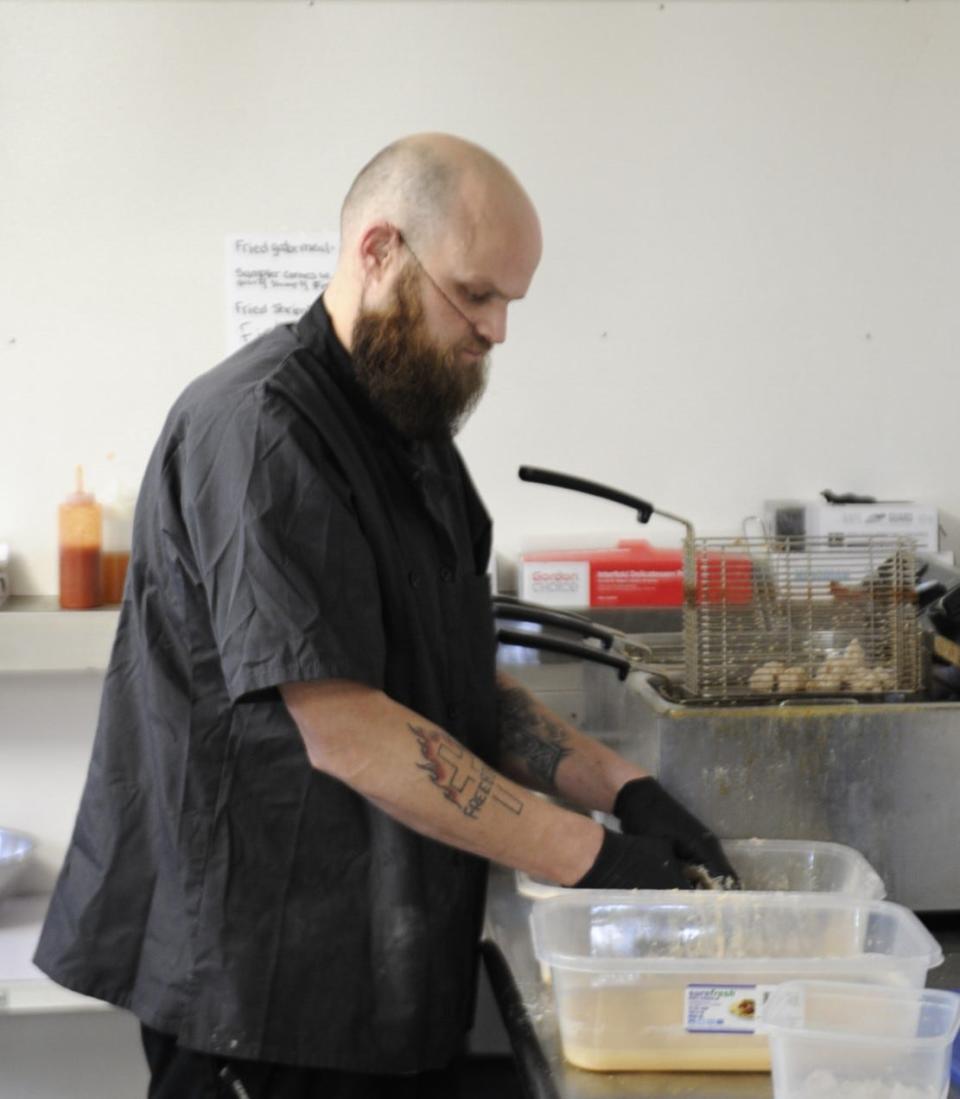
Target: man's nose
(492,326)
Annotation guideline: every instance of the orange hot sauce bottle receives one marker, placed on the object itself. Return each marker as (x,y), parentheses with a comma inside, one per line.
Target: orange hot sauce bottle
(81,525)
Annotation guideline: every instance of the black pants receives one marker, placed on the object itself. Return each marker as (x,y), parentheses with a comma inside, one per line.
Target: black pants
(177,1073)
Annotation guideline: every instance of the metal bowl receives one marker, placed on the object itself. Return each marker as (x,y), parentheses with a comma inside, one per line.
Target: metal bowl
(16,850)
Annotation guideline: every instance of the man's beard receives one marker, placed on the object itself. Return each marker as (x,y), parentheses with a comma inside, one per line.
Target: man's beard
(423,391)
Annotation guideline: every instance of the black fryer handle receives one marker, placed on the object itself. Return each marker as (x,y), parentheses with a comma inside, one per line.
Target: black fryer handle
(514,612)
(591,488)
(569,648)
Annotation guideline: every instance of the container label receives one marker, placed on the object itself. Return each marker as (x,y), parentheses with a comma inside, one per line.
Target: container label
(556,583)
(725,1009)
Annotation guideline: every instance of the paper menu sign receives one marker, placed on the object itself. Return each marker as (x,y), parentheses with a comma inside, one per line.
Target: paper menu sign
(272,278)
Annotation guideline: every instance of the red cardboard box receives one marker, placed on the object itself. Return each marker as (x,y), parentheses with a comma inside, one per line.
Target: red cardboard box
(630,574)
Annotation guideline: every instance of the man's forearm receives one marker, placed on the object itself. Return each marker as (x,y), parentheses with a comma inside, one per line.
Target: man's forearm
(416,772)
(540,750)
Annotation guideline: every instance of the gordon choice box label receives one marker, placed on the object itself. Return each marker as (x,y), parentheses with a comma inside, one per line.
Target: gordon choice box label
(725,1009)
(556,583)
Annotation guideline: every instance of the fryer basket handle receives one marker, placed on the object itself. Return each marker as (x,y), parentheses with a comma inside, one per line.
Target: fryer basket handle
(591,488)
(513,612)
(527,640)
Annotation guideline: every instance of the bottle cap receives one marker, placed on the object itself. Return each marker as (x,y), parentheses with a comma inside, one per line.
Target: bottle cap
(78,497)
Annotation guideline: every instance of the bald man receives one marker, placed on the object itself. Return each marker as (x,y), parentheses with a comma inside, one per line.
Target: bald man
(304,757)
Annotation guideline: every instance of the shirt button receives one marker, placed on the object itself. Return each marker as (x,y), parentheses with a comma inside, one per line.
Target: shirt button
(414,577)
(446,574)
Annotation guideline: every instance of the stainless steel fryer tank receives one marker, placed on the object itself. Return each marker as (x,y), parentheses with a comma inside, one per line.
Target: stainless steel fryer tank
(880,777)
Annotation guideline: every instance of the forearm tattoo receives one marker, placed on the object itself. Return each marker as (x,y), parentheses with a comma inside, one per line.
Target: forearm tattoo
(530,735)
(463,779)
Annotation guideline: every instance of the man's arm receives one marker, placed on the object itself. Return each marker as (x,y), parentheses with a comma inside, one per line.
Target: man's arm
(425,778)
(543,752)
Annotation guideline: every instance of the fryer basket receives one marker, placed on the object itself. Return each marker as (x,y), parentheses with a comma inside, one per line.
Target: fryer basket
(774,618)
(799,617)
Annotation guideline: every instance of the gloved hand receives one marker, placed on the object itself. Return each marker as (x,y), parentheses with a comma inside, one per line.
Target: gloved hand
(646,809)
(634,862)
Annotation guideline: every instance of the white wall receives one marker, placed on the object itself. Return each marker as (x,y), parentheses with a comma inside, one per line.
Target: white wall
(752,252)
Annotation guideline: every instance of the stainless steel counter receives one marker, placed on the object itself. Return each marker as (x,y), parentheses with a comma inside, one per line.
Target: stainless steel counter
(528,1013)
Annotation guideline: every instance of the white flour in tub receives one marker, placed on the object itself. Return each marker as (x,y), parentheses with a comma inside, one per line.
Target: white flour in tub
(824,1085)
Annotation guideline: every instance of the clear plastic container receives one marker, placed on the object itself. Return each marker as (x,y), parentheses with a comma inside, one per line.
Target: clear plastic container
(663,981)
(16,851)
(831,1040)
(793,866)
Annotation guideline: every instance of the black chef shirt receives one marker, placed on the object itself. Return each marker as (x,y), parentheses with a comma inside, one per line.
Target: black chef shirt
(216,885)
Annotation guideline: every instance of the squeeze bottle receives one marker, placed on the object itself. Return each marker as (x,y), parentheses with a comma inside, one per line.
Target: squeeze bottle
(80,538)
(118,508)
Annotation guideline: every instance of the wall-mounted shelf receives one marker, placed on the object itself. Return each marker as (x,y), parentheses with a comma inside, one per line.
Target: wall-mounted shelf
(37,636)
(23,988)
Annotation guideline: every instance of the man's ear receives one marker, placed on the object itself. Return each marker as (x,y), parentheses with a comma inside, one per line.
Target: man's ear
(378,249)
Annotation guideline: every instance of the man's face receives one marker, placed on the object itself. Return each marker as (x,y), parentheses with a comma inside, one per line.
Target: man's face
(425,388)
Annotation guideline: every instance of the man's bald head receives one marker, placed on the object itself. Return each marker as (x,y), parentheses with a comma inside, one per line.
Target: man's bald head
(426,182)
(408,183)
(452,216)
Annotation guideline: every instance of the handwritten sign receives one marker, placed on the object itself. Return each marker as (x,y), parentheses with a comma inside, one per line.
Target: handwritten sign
(273,278)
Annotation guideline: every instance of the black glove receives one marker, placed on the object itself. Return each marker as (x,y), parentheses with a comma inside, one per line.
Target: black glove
(634,862)
(646,809)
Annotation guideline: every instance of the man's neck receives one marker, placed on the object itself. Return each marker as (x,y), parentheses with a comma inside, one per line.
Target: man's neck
(341,309)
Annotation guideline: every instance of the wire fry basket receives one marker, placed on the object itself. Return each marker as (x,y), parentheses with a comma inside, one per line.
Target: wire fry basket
(769,618)
(799,617)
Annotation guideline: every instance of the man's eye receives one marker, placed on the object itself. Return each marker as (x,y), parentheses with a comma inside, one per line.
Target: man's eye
(476,297)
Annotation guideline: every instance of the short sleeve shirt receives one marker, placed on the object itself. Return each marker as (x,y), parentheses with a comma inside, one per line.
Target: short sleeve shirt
(216,884)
